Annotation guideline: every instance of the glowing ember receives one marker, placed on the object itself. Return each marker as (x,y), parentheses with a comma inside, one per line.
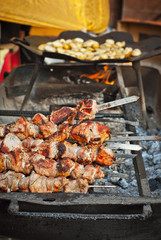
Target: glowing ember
(101,76)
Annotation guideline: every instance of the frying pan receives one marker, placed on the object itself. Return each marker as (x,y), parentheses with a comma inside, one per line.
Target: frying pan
(150,47)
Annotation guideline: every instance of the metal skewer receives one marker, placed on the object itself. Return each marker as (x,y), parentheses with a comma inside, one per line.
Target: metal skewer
(124,155)
(134,138)
(105,186)
(117,103)
(118,146)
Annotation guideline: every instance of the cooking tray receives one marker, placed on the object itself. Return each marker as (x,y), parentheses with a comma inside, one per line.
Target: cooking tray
(149,47)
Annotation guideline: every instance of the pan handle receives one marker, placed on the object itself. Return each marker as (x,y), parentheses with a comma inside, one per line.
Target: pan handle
(16,40)
(13,209)
(24,44)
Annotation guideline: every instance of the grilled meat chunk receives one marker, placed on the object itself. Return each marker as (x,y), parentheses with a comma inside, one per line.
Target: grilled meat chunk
(39,118)
(48,148)
(86,108)
(2,130)
(62,133)
(89,132)
(37,183)
(86,154)
(66,149)
(76,186)
(64,167)
(19,162)
(30,143)
(9,181)
(3,162)
(43,184)
(47,129)
(105,156)
(11,143)
(45,167)
(19,128)
(24,184)
(67,114)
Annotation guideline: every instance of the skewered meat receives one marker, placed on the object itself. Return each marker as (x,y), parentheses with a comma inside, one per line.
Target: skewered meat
(24,162)
(54,150)
(88,131)
(63,132)
(84,154)
(47,129)
(3,130)
(37,147)
(85,131)
(64,114)
(76,186)
(39,119)
(18,161)
(24,128)
(39,127)
(11,143)
(9,181)
(86,108)
(30,143)
(43,127)
(12,181)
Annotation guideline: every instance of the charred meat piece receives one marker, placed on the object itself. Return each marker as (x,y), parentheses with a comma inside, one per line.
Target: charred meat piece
(19,162)
(37,183)
(48,148)
(76,186)
(105,156)
(86,108)
(31,143)
(3,162)
(65,114)
(65,167)
(23,128)
(24,184)
(62,133)
(66,149)
(90,132)
(3,130)
(42,184)
(9,181)
(11,143)
(45,167)
(87,154)
(19,128)
(77,171)
(39,118)
(47,129)
(59,183)
(32,129)
(89,173)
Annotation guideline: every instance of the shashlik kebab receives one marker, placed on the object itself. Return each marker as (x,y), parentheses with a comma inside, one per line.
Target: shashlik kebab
(25,162)
(85,109)
(57,150)
(12,182)
(40,127)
